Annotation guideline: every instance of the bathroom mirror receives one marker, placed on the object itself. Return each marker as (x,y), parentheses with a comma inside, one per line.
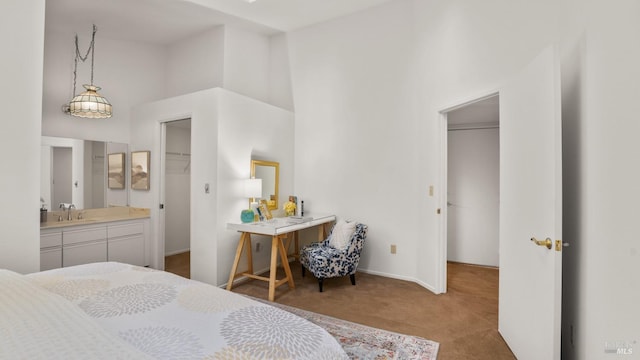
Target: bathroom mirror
(74,171)
(268,171)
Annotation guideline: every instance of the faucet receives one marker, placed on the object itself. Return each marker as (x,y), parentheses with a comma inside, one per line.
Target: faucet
(68,207)
(71,206)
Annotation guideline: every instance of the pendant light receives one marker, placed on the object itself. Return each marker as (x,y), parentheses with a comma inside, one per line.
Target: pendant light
(88,104)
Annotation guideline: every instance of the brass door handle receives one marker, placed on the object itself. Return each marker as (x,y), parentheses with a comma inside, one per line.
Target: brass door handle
(546,242)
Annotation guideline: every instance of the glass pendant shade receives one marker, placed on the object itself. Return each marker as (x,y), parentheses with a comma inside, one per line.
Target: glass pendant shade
(90,104)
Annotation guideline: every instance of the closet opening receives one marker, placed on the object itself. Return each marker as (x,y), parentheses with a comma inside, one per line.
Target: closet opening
(471,219)
(177,194)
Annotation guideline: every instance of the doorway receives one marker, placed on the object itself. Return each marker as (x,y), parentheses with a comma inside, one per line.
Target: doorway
(61,176)
(470,182)
(177,195)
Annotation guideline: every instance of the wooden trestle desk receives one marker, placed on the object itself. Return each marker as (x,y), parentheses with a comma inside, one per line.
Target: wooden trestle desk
(278,229)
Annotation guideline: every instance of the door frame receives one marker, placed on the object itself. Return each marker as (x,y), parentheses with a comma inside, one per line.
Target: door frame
(443,122)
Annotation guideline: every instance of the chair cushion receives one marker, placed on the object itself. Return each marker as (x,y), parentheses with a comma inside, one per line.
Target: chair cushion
(341,234)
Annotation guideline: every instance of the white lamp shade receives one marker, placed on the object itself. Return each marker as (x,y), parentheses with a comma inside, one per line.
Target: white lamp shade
(253,188)
(90,104)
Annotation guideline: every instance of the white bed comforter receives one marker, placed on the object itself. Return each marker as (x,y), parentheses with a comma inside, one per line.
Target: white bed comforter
(161,315)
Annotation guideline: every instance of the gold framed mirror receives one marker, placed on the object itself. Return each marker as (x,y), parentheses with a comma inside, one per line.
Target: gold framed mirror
(268,171)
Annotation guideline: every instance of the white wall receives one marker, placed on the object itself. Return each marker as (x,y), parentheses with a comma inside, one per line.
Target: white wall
(601,193)
(280,92)
(227,129)
(196,63)
(22,39)
(178,185)
(129,73)
(367,99)
(248,129)
(246,63)
(473,193)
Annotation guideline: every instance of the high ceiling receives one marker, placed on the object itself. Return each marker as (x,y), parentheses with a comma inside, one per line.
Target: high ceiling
(167,21)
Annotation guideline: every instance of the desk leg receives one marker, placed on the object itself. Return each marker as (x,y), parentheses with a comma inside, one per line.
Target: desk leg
(234,267)
(273,268)
(322,233)
(285,264)
(296,246)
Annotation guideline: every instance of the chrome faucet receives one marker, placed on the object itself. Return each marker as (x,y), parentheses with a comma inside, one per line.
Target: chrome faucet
(68,207)
(71,206)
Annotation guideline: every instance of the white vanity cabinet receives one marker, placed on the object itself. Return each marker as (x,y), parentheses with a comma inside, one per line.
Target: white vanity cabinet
(50,249)
(126,242)
(84,244)
(122,241)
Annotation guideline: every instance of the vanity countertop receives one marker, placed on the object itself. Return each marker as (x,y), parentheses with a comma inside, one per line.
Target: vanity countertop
(94,216)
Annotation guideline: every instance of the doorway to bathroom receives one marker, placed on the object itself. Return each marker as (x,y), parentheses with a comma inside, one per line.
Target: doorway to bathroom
(177,195)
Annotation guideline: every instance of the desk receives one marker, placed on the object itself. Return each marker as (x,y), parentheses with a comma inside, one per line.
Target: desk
(278,229)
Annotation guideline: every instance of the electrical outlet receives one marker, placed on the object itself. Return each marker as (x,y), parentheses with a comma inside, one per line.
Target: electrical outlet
(393,249)
(257,247)
(430,190)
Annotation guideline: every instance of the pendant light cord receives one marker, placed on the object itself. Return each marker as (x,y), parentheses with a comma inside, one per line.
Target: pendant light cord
(84,58)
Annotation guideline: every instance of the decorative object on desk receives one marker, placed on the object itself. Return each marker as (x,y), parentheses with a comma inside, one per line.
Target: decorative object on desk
(252,190)
(140,170)
(247,215)
(264,210)
(115,168)
(290,206)
(268,171)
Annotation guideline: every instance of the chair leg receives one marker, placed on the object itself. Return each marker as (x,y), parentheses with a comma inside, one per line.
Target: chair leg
(353,279)
(304,271)
(320,284)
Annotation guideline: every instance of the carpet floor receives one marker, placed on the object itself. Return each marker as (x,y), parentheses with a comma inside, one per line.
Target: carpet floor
(364,342)
(464,321)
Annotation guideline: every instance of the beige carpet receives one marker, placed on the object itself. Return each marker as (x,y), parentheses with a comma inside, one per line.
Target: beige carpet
(464,321)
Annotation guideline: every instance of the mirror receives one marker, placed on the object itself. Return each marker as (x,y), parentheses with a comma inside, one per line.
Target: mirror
(74,171)
(268,171)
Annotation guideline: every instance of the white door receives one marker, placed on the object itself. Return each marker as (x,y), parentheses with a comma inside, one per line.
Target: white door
(531,206)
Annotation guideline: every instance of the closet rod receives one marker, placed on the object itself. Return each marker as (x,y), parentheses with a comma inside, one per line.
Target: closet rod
(177,153)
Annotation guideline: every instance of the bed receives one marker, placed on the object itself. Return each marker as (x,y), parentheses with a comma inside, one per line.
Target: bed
(114,310)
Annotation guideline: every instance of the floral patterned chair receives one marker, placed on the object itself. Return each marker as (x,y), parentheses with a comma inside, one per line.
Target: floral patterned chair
(325,260)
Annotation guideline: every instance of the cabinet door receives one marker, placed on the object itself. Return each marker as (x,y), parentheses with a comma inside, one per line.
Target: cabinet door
(84,253)
(50,258)
(128,249)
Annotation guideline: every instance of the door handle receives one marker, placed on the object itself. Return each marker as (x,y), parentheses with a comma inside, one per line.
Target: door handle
(546,242)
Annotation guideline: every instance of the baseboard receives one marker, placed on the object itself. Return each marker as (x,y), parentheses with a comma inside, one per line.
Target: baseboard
(399,277)
(244,279)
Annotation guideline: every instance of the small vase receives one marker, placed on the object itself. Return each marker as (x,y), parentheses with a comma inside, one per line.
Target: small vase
(247,216)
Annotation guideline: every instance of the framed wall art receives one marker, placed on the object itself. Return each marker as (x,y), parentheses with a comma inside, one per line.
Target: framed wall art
(140,170)
(115,169)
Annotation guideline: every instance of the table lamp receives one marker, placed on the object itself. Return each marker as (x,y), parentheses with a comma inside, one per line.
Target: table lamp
(252,190)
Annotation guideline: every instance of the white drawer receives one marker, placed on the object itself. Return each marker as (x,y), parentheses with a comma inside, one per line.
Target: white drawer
(50,239)
(84,253)
(84,235)
(125,229)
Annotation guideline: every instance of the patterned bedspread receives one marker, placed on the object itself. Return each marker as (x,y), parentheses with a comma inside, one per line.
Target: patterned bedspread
(169,317)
